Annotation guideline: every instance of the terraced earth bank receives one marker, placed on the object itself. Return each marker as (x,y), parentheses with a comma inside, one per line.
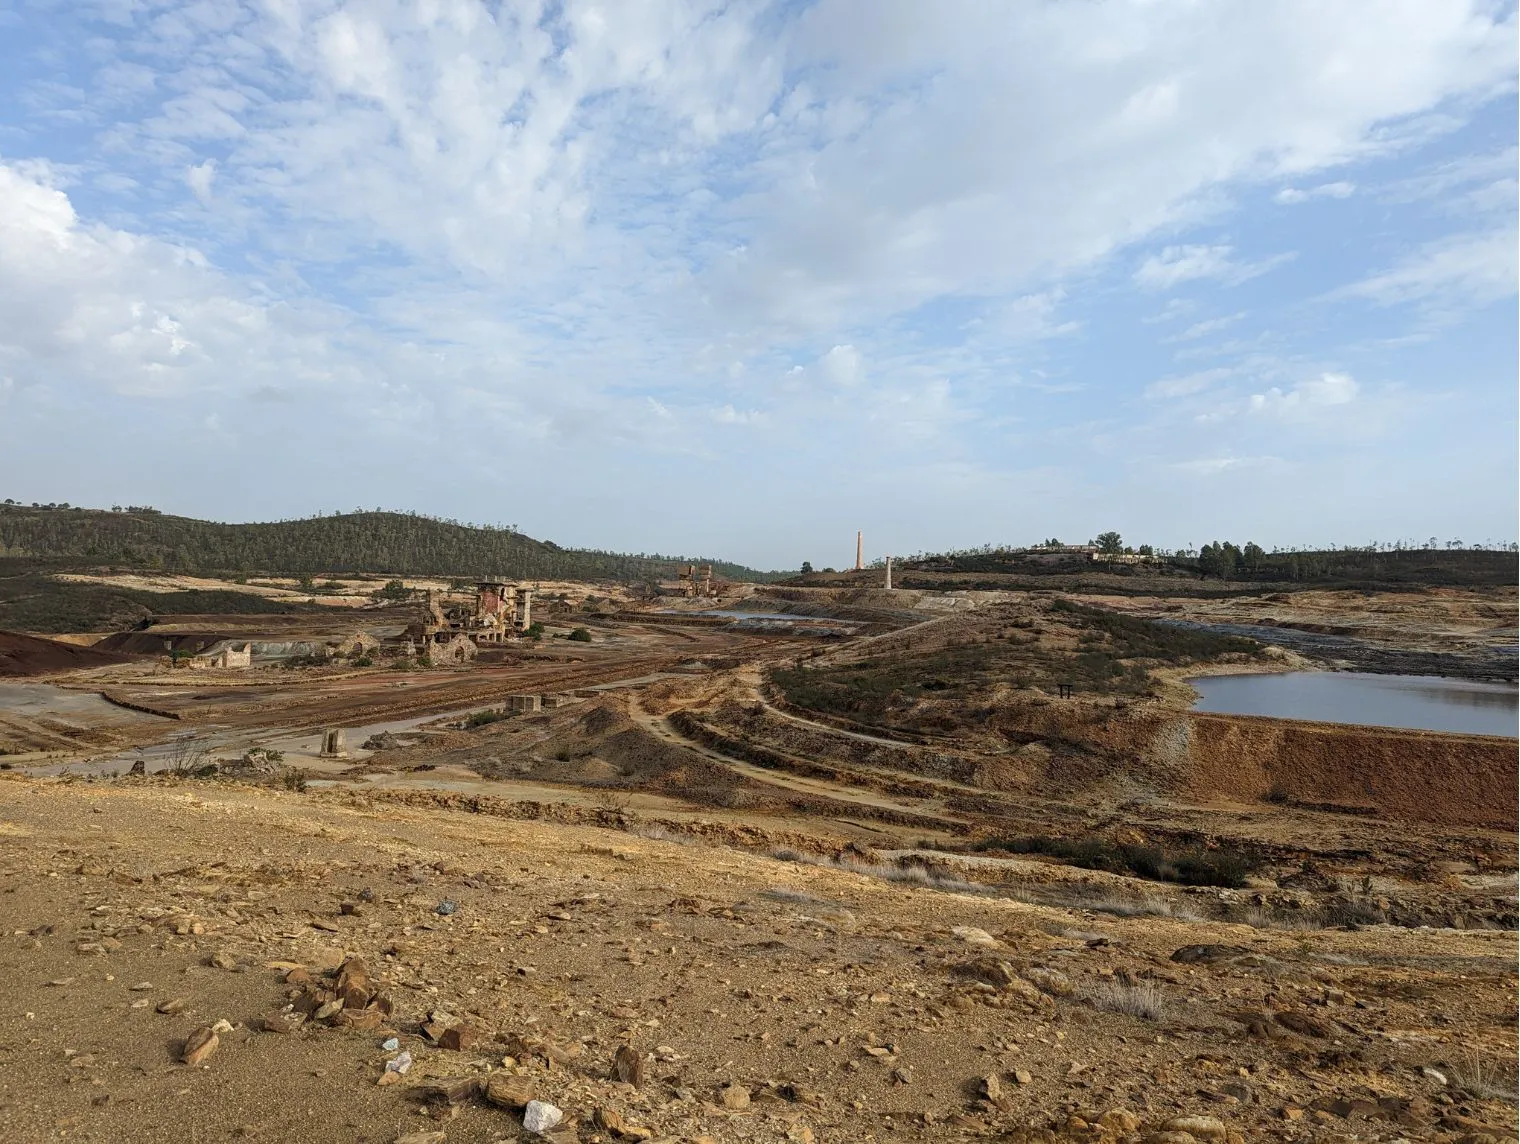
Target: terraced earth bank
(930,865)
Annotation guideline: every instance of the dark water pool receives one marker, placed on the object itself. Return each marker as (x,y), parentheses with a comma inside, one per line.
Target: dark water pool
(1423,702)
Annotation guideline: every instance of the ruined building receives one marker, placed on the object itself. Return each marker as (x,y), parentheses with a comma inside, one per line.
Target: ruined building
(454,633)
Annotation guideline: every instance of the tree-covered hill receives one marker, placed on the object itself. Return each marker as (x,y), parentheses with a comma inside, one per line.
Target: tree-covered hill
(402,543)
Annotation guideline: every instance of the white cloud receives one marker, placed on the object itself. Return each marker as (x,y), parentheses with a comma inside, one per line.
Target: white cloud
(1307,397)
(527,216)
(1208,326)
(1175,265)
(1188,384)
(199,179)
(1336,190)
(1461,269)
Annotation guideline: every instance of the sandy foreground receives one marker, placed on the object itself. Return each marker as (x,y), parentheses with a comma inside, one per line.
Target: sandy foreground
(761,999)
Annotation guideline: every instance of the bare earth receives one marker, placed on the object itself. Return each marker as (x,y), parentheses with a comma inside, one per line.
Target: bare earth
(848,1007)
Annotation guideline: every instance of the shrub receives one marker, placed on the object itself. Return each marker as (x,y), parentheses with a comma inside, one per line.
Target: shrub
(484,718)
(362,661)
(293,779)
(1142,1000)
(580,635)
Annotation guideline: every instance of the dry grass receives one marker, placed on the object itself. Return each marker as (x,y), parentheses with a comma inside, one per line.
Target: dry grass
(1142,1000)
(1485,1079)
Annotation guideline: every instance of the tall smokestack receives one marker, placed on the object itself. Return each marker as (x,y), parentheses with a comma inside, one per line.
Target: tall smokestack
(859,552)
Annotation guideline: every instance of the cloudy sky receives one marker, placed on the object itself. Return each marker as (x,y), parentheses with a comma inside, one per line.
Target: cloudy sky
(741,278)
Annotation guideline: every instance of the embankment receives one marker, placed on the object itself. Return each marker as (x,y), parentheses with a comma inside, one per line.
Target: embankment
(1424,776)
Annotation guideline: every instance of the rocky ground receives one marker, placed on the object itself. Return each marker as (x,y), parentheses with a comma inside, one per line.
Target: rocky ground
(677,988)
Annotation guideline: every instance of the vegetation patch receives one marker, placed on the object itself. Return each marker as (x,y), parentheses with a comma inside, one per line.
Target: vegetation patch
(1188,867)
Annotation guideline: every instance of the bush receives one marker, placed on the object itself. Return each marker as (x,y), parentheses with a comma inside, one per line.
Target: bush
(580,635)
(293,779)
(484,718)
(362,661)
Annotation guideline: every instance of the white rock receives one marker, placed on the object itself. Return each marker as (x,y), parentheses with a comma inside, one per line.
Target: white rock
(540,1117)
(973,936)
(1433,1074)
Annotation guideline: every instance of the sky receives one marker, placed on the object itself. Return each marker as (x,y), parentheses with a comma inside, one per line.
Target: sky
(740,278)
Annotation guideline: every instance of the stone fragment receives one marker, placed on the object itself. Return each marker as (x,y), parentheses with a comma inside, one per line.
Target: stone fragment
(1198,1127)
(1303,1024)
(971,935)
(282,1022)
(608,1119)
(173,1006)
(506,1091)
(735,1097)
(353,985)
(450,1090)
(459,1038)
(1023,1076)
(992,1088)
(328,1009)
(540,1117)
(422,1138)
(199,1046)
(222,959)
(1120,1121)
(628,1065)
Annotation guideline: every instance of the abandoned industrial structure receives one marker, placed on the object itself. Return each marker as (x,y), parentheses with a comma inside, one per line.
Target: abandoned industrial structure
(454,633)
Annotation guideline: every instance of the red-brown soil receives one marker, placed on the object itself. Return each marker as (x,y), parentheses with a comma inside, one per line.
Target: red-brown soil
(32,655)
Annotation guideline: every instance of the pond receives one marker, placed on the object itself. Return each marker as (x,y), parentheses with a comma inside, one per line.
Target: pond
(1421,702)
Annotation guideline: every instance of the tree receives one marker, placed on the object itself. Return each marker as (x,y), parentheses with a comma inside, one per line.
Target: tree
(1146,550)
(1252,555)
(394,590)
(807,567)
(1110,543)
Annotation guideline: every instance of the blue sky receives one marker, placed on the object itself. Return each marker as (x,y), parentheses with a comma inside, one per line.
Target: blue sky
(742,278)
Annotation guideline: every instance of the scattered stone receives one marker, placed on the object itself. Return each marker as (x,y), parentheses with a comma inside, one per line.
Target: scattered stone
(992,1088)
(350,909)
(422,1138)
(459,1038)
(282,1022)
(328,1009)
(1434,1074)
(1023,1076)
(1198,1127)
(324,925)
(199,1046)
(735,1097)
(221,959)
(971,935)
(176,1005)
(446,907)
(353,987)
(1119,1121)
(1303,1024)
(142,987)
(540,1117)
(398,1065)
(1207,954)
(628,1065)
(450,1090)
(506,1091)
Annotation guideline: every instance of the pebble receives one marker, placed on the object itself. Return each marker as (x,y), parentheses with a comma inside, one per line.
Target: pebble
(1023,1076)
(735,1097)
(200,1045)
(1198,1127)
(540,1117)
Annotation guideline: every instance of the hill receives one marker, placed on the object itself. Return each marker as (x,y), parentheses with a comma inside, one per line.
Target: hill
(1219,569)
(360,542)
